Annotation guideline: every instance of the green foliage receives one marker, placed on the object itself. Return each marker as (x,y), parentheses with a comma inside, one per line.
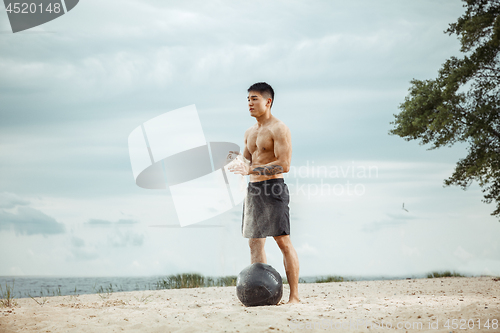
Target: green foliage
(284,280)
(330,278)
(226,281)
(7,296)
(43,299)
(143,299)
(444,274)
(463,103)
(194,280)
(104,293)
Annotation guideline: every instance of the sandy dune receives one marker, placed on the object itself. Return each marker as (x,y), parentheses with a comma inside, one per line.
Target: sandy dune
(345,306)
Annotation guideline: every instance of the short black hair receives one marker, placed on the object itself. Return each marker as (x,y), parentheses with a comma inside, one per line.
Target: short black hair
(263,89)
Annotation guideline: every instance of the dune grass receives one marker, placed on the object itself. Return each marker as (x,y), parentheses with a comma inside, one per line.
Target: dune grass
(103,292)
(194,280)
(330,278)
(443,274)
(7,296)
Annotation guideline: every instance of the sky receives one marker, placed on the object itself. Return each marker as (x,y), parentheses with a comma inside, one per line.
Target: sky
(73,89)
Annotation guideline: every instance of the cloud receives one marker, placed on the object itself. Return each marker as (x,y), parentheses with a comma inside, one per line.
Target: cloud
(462,254)
(307,250)
(98,222)
(10,200)
(393,220)
(116,237)
(77,242)
(401,216)
(80,251)
(30,221)
(126,222)
(410,251)
(125,239)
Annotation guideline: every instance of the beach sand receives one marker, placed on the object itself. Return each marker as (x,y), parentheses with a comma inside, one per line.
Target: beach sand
(362,306)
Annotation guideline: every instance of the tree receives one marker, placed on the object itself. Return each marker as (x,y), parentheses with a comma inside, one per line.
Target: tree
(463,103)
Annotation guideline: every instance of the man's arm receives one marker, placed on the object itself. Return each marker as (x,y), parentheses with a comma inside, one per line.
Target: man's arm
(246,152)
(238,164)
(283,152)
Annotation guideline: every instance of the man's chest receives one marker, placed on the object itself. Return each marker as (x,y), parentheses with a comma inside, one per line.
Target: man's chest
(260,140)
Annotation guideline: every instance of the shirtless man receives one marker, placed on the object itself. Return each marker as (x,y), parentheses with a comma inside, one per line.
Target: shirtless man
(267,155)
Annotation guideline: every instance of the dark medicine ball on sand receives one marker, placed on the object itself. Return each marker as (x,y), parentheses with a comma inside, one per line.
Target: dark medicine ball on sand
(259,284)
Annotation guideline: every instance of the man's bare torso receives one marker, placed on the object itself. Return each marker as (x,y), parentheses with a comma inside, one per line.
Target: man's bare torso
(259,146)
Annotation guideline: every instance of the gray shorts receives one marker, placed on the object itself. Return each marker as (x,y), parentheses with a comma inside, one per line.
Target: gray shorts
(265,209)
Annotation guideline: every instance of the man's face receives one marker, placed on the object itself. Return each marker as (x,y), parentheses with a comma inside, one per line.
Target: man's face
(257,104)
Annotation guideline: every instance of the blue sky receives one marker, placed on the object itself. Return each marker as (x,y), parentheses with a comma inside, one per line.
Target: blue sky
(72,90)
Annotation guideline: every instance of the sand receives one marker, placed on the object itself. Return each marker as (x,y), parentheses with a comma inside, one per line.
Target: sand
(347,306)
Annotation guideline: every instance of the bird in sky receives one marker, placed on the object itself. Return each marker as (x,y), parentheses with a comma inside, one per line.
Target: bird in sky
(404,207)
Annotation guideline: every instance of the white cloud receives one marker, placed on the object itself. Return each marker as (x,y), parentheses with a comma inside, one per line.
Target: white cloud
(120,238)
(30,221)
(462,254)
(307,250)
(11,200)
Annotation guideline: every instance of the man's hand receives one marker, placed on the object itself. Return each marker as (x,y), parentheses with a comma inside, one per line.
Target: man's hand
(239,164)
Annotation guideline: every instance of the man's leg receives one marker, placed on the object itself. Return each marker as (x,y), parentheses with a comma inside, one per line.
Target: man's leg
(257,252)
(291,262)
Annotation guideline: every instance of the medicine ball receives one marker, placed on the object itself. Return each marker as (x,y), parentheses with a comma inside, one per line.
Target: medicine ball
(259,284)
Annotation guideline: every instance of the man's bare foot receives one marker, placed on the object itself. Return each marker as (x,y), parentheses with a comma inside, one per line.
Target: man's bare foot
(293,301)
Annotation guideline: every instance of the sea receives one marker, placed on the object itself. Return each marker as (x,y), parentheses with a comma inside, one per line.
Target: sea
(37,286)
(46,286)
